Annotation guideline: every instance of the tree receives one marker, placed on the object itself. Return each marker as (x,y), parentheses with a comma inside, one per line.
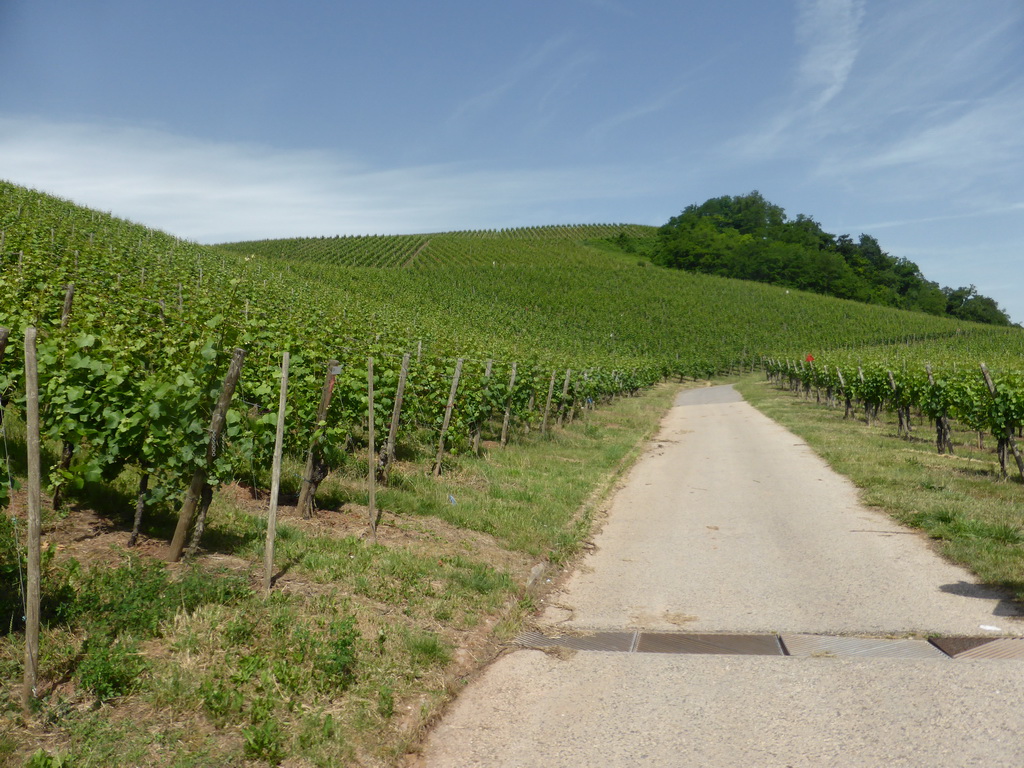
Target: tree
(967,304)
(750,238)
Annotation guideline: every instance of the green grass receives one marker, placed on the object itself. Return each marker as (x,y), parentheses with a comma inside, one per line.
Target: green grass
(975,518)
(360,643)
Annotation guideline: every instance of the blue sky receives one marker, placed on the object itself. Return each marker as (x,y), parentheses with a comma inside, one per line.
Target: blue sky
(226,120)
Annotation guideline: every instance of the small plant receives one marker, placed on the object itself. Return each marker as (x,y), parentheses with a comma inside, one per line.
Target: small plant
(221,701)
(427,649)
(385,702)
(110,670)
(338,661)
(43,759)
(264,741)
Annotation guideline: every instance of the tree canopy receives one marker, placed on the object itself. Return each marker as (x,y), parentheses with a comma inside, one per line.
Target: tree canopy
(749,238)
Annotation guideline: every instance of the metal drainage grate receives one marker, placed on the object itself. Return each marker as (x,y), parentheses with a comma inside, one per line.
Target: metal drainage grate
(862,647)
(821,646)
(624,642)
(740,645)
(999,648)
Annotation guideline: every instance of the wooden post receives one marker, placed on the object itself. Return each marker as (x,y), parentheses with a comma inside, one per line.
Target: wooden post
(196,487)
(478,432)
(371,454)
(565,394)
(447,417)
(846,394)
(508,407)
(396,413)
(34,525)
(943,438)
(5,335)
(867,405)
(903,427)
(1008,437)
(140,506)
(275,478)
(309,482)
(547,406)
(65,315)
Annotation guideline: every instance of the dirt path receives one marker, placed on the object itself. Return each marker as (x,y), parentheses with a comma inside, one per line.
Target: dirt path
(729,523)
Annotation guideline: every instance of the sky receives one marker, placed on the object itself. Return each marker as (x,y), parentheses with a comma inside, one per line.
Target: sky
(249,119)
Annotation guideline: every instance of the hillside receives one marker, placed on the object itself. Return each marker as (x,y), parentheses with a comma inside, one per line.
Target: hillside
(575,294)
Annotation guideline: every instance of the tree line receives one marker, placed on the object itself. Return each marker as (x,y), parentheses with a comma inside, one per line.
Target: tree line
(749,238)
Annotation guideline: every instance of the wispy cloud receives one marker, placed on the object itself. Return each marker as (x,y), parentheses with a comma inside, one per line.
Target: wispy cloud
(828,40)
(529,65)
(596,133)
(979,214)
(828,34)
(908,87)
(216,192)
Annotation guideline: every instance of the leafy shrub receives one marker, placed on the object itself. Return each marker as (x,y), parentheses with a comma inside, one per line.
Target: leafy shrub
(43,759)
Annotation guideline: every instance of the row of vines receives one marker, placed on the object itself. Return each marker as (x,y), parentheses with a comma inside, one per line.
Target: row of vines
(388,251)
(954,388)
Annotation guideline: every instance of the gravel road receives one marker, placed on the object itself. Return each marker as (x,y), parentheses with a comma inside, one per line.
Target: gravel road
(730,523)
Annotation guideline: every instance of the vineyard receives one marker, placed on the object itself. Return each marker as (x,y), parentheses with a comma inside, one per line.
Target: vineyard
(160,367)
(978,383)
(441,249)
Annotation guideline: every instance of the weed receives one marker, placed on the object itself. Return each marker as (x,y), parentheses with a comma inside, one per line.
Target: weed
(137,596)
(43,759)
(385,702)
(248,666)
(8,746)
(264,741)
(222,702)
(427,649)
(12,574)
(481,578)
(337,662)
(238,631)
(110,670)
